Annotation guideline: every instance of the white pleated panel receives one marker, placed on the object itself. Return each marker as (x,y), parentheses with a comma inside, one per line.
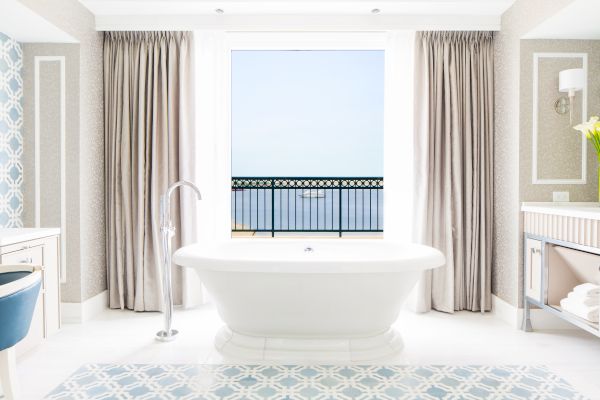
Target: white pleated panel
(570,229)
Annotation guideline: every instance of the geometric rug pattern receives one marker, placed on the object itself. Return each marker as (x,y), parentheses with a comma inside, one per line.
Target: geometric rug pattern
(318,382)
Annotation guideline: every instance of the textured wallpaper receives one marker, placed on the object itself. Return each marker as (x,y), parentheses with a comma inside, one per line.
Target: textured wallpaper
(516,22)
(556,131)
(49,107)
(559,145)
(11,140)
(86,153)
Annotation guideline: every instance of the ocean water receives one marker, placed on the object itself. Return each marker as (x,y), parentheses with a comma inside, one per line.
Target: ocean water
(288,210)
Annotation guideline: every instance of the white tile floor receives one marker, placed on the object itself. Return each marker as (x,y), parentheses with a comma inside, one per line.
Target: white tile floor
(434,338)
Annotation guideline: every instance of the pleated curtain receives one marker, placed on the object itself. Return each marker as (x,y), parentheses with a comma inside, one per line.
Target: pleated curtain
(454,129)
(149,144)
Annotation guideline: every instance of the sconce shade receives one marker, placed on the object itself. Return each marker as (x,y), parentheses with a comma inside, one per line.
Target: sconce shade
(571,80)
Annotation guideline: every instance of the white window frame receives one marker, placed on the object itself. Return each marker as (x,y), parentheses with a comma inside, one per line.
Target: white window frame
(213,116)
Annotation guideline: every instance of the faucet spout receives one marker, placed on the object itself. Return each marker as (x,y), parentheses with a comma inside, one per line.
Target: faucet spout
(189,184)
(165,202)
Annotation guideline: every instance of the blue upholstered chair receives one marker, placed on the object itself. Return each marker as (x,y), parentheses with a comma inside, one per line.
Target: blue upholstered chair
(19,290)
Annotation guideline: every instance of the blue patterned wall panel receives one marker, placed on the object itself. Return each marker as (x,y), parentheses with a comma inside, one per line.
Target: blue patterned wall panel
(11,139)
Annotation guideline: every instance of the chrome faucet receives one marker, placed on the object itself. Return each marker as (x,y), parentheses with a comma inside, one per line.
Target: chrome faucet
(167,230)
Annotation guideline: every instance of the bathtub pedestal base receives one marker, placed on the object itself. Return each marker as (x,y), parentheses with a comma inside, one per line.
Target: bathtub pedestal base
(255,348)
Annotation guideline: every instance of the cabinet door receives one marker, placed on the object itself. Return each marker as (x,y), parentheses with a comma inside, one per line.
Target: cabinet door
(37,330)
(533,269)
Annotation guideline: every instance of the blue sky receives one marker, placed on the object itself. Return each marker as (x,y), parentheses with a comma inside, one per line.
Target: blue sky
(307,113)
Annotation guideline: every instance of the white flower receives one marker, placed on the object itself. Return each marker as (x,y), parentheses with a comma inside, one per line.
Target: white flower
(589,127)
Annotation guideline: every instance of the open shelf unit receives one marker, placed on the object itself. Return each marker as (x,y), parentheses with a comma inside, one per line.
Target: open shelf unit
(551,269)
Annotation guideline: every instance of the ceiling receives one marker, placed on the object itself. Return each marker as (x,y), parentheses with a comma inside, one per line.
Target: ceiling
(196,14)
(297,7)
(23,25)
(578,20)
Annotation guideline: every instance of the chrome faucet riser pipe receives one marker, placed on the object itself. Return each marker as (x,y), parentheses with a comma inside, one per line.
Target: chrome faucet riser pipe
(167,230)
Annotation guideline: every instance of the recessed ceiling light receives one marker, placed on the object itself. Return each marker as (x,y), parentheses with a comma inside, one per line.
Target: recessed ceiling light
(219,11)
(375,11)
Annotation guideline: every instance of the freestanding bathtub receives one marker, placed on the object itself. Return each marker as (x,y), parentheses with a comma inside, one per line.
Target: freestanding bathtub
(315,300)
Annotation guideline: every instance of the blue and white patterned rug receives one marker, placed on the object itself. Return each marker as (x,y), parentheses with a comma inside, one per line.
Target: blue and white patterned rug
(319,382)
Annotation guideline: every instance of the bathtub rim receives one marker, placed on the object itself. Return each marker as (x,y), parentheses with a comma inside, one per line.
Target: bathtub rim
(426,258)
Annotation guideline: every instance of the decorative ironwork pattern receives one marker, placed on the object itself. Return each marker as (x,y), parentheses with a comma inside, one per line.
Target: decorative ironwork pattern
(307,204)
(306,183)
(247,183)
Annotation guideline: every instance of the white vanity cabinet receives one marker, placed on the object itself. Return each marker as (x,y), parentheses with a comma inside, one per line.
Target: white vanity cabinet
(39,247)
(561,249)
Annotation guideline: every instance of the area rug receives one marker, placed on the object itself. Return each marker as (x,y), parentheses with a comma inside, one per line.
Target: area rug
(318,382)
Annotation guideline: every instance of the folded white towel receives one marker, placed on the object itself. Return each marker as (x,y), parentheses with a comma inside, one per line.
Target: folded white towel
(582,311)
(583,299)
(589,289)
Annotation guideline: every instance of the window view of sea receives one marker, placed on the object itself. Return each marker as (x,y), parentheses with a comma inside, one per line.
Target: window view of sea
(308,113)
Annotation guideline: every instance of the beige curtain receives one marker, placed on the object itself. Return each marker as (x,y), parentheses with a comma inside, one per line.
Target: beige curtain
(148,137)
(454,128)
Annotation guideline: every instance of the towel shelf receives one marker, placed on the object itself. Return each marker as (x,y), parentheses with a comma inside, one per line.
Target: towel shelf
(552,268)
(593,325)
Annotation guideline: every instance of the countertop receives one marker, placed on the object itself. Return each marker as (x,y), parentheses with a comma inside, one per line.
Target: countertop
(10,236)
(570,209)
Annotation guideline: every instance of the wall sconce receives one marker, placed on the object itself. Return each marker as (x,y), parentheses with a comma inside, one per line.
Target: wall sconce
(569,81)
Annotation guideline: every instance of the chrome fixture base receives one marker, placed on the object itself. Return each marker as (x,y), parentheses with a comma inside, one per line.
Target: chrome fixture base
(163,336)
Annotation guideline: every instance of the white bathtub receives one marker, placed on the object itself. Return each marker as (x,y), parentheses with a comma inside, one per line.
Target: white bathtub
(318,300)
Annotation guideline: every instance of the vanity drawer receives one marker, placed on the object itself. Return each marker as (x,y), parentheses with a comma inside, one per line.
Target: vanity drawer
(30,255)
(533,269)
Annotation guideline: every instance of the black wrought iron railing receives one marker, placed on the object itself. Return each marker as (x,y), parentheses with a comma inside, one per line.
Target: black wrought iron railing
(307,204)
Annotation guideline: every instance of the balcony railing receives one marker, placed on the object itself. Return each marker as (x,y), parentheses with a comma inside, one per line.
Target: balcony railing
(311,204)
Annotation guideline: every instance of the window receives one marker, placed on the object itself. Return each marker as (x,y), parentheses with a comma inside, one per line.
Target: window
(307,131)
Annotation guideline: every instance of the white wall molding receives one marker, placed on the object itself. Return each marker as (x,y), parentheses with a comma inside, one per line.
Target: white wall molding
(77,313)
(37,154)
(297,22)
(534,168)
(540,319)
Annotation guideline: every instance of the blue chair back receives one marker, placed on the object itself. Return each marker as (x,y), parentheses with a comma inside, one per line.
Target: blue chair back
(16,309)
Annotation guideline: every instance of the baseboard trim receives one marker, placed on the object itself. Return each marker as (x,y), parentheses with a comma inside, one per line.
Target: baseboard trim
(77,313)
(505,311)
(540,319)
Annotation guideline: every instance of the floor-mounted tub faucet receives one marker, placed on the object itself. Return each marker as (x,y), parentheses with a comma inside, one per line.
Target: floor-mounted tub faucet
(167,230)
